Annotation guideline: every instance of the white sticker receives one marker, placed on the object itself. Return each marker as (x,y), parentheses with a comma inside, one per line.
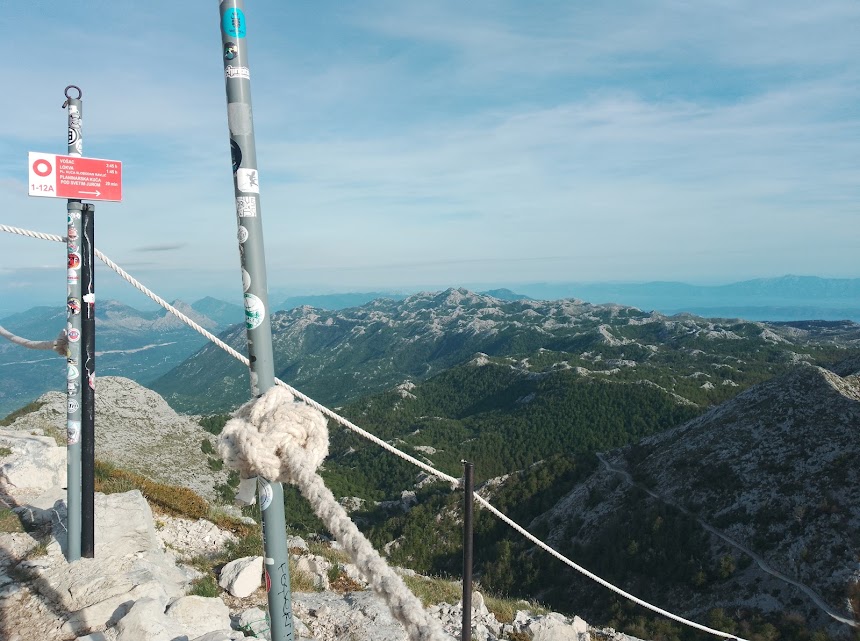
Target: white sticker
(73,277)
(246,206)
(73,373)
(90,299)
(247,180)
(255,311)
(237,72)
(73,406)
(242,235)
(265,493)
(73,432)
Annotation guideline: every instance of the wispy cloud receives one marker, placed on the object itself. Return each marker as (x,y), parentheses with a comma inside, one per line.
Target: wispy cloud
(451,141)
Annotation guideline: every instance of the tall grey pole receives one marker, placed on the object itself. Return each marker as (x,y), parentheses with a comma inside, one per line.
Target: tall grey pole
(88,383)
(73,333)
(243,150)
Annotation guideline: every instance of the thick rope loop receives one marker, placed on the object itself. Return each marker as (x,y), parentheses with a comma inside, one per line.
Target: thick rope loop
(281,439)
(254,441)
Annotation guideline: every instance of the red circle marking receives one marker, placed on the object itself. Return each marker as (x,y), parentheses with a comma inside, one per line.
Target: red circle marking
(42,167)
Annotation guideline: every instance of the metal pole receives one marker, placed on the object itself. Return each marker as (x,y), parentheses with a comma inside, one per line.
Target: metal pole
(468,482)
(257,317)
(73,333)
(88,384)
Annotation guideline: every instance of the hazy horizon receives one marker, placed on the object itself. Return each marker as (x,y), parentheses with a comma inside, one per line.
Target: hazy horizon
(414,145)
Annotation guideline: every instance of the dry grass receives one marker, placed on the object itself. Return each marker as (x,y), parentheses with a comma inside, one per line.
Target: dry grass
(9,521)
(178,501)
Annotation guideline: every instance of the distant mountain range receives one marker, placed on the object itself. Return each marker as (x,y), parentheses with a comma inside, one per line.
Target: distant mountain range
(141,345)
(785,298)
(338,356)
(782,298)
(144,345)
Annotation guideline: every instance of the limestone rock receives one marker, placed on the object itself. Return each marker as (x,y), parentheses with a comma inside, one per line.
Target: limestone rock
(138,431)
(297,542)
(38,464)
(147,621)
(128,565)
(242,576)
(221,635)
(317,568)
(189,538)
(199,615)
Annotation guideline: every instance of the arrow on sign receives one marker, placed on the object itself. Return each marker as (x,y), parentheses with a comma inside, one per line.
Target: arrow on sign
(92,193)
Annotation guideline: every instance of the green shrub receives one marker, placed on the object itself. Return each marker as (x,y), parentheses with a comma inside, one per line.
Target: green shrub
(214,423)
(205,586)
(27,409)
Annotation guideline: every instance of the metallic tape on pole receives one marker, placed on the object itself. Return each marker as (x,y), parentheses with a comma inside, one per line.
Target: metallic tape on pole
(237,78)
(88,383)
(73,333)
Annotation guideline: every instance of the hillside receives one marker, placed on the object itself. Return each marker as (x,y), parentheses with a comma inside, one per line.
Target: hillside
(136,430)
(745,517)
(774,469)
(339,356)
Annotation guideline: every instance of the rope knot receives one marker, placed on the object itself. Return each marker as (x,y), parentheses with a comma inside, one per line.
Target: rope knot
(270,435)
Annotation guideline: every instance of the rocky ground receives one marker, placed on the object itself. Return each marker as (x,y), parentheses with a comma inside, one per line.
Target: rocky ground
(135,588)
(138,431)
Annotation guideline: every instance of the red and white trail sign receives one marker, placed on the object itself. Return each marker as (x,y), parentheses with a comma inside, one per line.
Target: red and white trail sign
(54,176)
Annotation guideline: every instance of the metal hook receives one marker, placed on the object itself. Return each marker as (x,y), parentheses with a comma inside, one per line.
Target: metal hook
(68,97)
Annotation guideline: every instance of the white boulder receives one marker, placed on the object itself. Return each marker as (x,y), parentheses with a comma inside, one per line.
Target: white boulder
(242,576)
(199,615)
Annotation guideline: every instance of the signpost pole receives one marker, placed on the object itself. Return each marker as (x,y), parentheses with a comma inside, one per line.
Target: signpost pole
(73,333)
(88,384)
(257,314)
(468,505)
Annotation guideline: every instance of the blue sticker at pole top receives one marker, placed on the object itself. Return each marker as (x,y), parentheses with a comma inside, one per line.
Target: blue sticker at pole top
(233,23)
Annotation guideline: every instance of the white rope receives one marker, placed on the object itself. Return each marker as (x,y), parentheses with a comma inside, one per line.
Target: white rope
(374,439)
(280,439)
(59,344)
(138,286)
(240,357)
(596,578)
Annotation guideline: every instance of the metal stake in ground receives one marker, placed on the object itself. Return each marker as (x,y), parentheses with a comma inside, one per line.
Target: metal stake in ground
(237,77)
(468,483)
(73,333)
(88,384)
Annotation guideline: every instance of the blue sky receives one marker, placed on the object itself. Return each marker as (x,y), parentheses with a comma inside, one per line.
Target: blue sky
(409,144)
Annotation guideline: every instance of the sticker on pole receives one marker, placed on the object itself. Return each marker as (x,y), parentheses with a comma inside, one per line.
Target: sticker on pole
(255,311)
(53,176)
(266,493)
(233,23)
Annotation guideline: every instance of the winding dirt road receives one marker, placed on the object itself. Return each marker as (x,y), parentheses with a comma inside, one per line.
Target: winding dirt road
(812,594)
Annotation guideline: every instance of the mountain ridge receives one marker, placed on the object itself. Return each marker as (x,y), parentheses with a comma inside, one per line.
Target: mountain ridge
(340,355)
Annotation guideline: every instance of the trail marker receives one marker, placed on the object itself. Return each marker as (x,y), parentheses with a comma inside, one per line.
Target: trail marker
(55,176)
